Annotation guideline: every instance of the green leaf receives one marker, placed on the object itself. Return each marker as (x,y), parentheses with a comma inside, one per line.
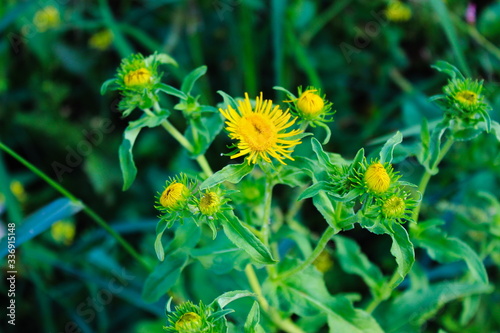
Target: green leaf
(220,255)
(107,85)
(187,236)
(388,149)
(313,190)
(305,293)
(163,58)
(443,248)
(232,173)
(435,146)
(413,308)
(231,296)
(486,117)
(245,240)
(41,220)
(360,155)
(228,100)
(448,69)
(127,165)
(202,131)
(252,324)
(323,158)
(164,276)
(286,91)
(466,134)
(171,91)
(496,129)
(402,250)
(354,261)
(191,78)
(160,229)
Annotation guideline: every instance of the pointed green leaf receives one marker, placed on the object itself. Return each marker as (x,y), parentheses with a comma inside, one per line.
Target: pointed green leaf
(443,248)
(232,173)
(388,149)
(413,308)
(164,276)
(127,165)
(191,78)
(252,324)
(107,85)
(231,296)
(354,261)
(402,249)
(313,190)
(228,100)
(171,91)
(323,158)
(245,240)
(449,69)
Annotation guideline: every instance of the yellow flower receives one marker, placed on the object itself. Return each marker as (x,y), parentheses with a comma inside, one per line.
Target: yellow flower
(323,262)
(139,77)
(209,203)
(188,323)
(394,207)
(63,232)
(397,11)
(174,195)
(261,131)
(376,178)
(101,40)
(47,18)
(310,103)
(467,98)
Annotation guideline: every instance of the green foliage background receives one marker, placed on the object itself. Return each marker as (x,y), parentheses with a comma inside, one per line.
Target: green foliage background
(51,107)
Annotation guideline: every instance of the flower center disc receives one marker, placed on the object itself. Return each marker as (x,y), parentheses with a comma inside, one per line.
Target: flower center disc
(466,97)
(259,132)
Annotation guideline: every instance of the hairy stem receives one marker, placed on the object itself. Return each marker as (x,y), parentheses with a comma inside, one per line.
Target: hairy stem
(284,324)
(422,186)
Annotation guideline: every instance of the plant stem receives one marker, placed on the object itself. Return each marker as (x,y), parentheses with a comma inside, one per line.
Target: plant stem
(327,235)
(266,218)
(285,324)
(422,186)
(386,293)
(91,213)
(167,125)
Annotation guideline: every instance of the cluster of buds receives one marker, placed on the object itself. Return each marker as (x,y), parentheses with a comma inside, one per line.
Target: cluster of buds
(181,198)
(378,188)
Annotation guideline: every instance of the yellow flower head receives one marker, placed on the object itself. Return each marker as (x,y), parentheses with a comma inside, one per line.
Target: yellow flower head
(377,178)
(17,188)
(210,203)
(397,11)
(467,97)
(63,232)
(310,103)
(101,40)
(260,131)
(394,207)
(189,323)
(323,262)
(139,77)
(47,18)
(174,195)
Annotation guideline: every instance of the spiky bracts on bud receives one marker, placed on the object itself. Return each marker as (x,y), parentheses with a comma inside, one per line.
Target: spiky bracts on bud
(312,106)
(174,198)
(464,99)
(190,318)
(375,178)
